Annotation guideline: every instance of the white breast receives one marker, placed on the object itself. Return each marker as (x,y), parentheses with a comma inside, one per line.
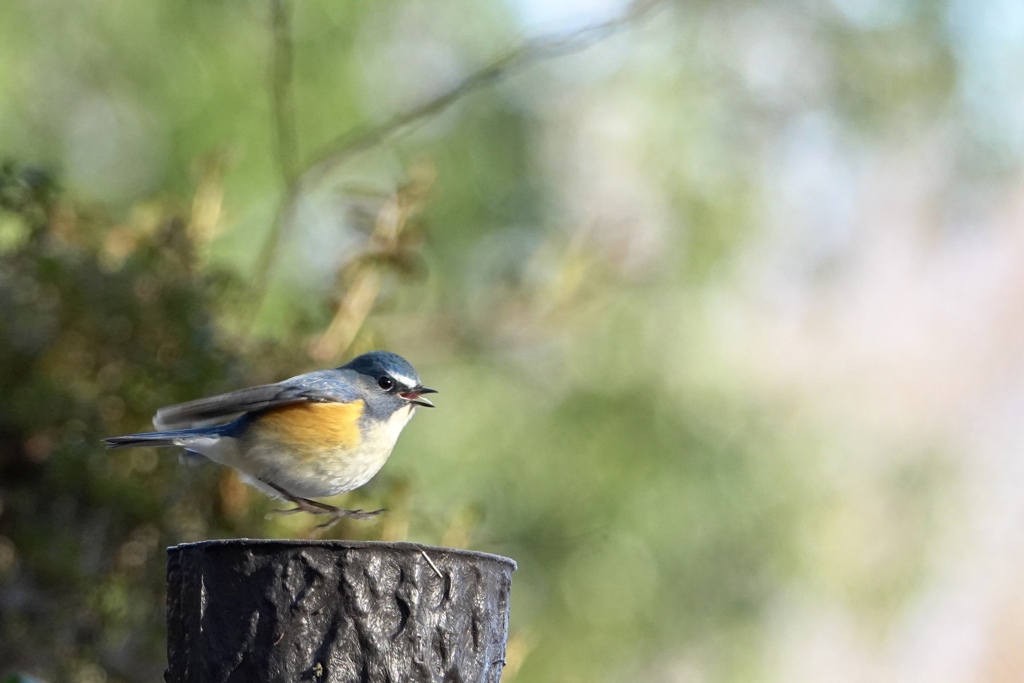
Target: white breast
(351,470)
(333,472)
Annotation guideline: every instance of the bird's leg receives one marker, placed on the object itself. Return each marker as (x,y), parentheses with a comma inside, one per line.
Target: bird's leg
(315,507)
(338,513)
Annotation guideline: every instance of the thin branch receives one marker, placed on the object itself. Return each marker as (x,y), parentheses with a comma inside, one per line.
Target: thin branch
(339,150)
(282,105)
(367,275)
(282,99)
(332,155)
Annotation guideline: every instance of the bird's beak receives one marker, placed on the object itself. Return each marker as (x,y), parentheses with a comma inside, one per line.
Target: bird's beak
(416,396)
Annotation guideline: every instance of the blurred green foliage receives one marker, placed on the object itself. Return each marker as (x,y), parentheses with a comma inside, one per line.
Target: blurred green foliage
(654,505)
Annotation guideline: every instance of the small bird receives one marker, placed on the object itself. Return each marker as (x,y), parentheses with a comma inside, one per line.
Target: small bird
(315,435)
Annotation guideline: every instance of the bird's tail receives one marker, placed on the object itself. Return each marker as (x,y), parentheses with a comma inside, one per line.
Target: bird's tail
(176,437)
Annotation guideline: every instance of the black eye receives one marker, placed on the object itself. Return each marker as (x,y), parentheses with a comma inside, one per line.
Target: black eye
(386,383)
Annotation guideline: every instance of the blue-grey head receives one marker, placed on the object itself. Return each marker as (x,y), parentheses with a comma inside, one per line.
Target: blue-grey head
(387,377)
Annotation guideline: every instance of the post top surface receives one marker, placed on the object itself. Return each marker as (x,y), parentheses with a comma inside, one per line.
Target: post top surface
(396,546)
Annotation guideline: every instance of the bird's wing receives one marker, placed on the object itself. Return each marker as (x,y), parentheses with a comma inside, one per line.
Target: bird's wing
(314,386)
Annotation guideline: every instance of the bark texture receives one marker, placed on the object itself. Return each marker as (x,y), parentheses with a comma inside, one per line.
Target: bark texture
(252,611)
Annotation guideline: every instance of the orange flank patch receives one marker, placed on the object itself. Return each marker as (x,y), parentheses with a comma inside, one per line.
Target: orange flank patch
(311,427)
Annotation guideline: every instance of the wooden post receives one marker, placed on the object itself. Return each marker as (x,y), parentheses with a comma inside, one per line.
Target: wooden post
(255,611)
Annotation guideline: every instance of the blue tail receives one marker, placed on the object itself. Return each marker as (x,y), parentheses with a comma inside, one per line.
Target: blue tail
(177,437)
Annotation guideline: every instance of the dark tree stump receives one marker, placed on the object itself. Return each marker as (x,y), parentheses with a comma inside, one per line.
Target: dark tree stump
(252,611)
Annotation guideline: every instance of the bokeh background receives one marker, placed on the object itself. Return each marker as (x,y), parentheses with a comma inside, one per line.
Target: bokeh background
(725,302)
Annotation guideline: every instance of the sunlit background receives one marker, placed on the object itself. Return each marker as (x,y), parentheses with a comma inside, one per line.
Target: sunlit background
(725,302)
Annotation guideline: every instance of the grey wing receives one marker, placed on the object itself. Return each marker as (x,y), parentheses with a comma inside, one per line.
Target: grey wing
(315,386)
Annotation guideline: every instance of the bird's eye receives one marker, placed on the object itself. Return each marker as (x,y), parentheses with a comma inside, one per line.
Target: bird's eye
(386,383)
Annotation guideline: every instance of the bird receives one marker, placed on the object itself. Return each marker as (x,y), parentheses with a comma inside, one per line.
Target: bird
(315,435)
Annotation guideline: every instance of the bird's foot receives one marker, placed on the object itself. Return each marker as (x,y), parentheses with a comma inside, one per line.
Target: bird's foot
(315,507)
(339,513)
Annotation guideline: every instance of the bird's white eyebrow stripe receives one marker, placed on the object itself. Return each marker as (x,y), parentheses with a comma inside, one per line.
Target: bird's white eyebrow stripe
(402,379)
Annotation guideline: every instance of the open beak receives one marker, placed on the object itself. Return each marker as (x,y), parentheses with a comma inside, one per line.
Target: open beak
(416,396)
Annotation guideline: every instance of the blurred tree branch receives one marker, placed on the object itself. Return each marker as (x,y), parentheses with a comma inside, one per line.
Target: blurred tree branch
(281,79)
(388,246)
(332,155)
(540,49)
